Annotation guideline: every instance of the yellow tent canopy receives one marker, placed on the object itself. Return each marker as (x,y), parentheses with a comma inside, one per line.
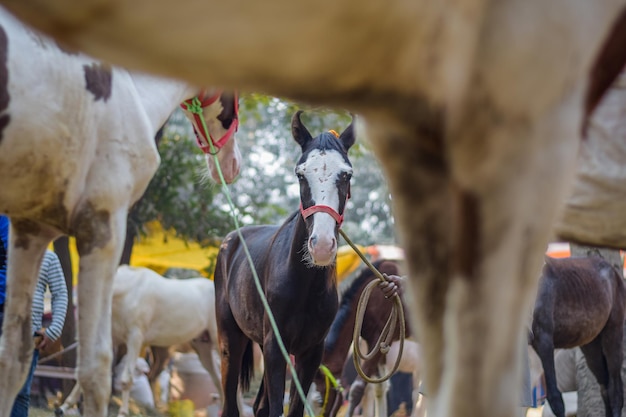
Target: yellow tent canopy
(160,250)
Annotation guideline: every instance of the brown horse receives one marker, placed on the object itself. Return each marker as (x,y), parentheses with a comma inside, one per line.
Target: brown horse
(580,302)
(339,339)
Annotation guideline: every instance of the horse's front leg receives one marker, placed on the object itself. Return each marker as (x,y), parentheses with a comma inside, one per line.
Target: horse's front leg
(307,365)
(70,401)
(25,253)
(273,378)
(99,239)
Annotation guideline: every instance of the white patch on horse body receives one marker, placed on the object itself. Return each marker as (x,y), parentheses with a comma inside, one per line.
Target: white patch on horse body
(321,170)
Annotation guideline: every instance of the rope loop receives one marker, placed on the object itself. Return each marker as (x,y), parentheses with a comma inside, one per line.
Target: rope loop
(385,339)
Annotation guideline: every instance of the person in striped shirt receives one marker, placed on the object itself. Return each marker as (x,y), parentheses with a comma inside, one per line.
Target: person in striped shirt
(50,276)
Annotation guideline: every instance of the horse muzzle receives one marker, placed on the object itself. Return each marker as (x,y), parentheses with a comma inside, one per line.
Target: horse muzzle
(323,250)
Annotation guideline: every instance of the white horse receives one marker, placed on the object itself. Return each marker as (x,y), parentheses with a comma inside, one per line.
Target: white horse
(474,108)
(150,310)
(77,149)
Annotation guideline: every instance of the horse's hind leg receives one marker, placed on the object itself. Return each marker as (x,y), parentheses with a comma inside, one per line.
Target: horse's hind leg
(544,346)
(70,401)
(133,346)
(612,339)
(596,363)
(604,357)
(160,356)
(204,349)
(232,347)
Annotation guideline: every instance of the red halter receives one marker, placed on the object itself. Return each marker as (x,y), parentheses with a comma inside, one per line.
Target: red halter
(317,208)
(324,209)
(195,106)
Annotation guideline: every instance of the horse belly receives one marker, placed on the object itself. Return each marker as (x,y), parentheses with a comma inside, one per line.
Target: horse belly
(577,329)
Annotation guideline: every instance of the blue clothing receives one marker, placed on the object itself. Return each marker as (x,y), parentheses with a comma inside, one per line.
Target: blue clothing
(22,401)
(4,235)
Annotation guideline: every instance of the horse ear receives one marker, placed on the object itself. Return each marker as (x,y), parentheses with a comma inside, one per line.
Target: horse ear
(299,131)
(347,136)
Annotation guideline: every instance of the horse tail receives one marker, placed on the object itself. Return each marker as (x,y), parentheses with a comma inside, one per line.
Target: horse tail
(247,367)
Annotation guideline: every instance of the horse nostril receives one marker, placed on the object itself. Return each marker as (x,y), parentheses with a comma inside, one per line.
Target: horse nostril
(313,241)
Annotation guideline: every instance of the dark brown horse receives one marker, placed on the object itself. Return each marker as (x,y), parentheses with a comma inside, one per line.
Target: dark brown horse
(295,263)
(340,336)
(580,302)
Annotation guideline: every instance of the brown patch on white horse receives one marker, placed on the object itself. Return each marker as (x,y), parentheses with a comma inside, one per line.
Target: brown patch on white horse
(98,79)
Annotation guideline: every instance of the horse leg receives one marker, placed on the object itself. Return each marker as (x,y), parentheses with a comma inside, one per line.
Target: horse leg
(160,356)
(16,344)
(606,370)
(544,346)
(595,362)
(357,389)
(99,245)
(307,365)
(133,346)
(380,394)
(261,405)
(204,349)
(611,339)
(274,377)
(232,347)
(70,401)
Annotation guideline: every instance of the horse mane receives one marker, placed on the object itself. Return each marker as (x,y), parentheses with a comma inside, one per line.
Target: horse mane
(326,141)
(345,305)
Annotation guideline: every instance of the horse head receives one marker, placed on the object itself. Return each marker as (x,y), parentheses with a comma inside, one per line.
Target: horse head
(324,173)
(215,118)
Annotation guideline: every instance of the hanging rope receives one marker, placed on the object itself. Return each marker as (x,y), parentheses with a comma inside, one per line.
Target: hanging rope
(386,336)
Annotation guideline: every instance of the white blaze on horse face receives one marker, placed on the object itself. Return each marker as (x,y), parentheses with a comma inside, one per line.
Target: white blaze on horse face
(321,170)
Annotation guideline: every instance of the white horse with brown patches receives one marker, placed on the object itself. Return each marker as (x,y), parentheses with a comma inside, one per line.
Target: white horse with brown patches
(77,148)
(474,108)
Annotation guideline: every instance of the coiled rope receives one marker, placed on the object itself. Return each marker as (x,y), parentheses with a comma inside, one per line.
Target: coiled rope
(386,336)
